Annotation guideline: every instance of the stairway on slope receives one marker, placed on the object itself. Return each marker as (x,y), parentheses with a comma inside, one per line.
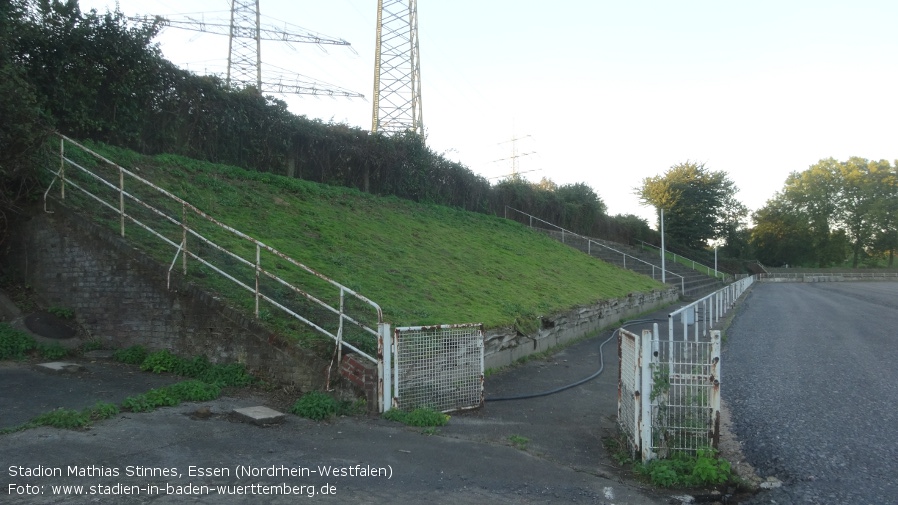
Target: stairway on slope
(694,284)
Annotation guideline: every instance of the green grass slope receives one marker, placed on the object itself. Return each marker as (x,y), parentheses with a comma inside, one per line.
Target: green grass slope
(424,264)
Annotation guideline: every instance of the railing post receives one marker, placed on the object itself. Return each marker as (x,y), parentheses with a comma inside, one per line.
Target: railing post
(340,327)
(184,237)
(384,366)
(121,198)
(61,168)
(258,266)
(714,397)
(645,365)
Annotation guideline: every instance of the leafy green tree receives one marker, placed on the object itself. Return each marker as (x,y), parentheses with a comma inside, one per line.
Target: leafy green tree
(699,204)
(781,235)
(23,123)
(843,196)
(885,212)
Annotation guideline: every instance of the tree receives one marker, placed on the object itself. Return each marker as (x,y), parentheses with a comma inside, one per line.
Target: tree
(781,235)
(845,196)
(699,204)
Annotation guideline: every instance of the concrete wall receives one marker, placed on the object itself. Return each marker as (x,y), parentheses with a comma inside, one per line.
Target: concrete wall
(121,297)
(506,345)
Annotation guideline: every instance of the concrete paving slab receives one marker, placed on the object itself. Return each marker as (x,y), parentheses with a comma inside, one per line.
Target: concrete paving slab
(259,415)
(60,367)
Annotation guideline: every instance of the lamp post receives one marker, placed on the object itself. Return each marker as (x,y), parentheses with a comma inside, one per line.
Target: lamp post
(663,269)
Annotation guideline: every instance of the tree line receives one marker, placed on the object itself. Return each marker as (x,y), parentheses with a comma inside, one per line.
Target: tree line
(833,211)
(99,76)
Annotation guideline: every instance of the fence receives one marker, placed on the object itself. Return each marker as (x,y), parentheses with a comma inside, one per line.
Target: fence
(827,276)
(590,243)
(438,367)
(163,217)
(695,265)
(668,394)
(704,313)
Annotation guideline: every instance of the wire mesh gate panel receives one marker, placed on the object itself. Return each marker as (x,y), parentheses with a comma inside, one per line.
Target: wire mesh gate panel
(438,367)
(628,382)
(668,394)
(685,395)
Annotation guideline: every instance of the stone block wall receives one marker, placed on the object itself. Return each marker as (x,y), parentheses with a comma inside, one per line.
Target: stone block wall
(504,346)
(121,296)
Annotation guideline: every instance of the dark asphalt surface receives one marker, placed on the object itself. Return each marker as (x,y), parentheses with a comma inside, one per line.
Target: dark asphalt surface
(559,457)
(810,376)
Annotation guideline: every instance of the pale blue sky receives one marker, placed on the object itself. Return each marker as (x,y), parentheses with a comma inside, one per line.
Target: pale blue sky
(607,93)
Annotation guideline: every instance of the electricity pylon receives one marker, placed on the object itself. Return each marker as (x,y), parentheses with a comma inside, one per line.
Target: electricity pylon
(245,35)
(515,155)
(397,69)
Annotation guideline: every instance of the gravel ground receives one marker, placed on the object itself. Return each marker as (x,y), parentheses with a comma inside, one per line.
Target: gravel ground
(809,375)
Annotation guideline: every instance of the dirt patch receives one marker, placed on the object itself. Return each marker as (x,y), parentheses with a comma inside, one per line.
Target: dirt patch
(731,450)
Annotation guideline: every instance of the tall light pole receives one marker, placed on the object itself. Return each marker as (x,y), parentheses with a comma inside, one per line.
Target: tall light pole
(663,269)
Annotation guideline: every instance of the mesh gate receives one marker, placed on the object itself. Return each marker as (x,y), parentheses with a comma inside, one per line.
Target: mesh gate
(438,367)
(628,380)
(668,394)
(685,396)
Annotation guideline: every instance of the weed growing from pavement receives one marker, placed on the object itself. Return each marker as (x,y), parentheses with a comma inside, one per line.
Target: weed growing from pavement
(52,351)
(519,442)
(168,396)
(133,355)
(318,406)
(14,343)
(418,417)
(315,405)
(680,470)
(198,367)
(68,418)
(686,470)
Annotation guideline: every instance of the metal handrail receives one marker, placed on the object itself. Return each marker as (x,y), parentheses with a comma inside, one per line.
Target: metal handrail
(711,307)
(852,275)
(591,241)
(184,251)
(717,272)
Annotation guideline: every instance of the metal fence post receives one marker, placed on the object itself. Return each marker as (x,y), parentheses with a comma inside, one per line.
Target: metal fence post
(258,267)
(384,366)
(645,362)
(715,388)
(121,199)
(62,168)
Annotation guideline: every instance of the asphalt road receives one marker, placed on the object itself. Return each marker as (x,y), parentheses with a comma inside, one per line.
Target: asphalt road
(809,373)
(543,450)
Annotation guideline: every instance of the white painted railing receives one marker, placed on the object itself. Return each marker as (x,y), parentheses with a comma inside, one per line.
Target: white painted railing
(705,313)
(382,333)
(590,243)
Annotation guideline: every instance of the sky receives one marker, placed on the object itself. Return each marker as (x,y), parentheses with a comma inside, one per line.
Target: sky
(606,93)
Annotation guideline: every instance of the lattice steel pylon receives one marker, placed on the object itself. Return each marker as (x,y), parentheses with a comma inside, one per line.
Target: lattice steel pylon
(245,35)
(397,69)
(245,43)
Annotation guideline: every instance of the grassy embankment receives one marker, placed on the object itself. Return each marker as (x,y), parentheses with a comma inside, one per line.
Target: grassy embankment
(424,264)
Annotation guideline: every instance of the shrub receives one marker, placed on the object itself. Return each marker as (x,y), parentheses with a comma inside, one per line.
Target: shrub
(14,343)
(418,417)
(683,470)
(161,361)
(134,355)
(315,405)
(52,351)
